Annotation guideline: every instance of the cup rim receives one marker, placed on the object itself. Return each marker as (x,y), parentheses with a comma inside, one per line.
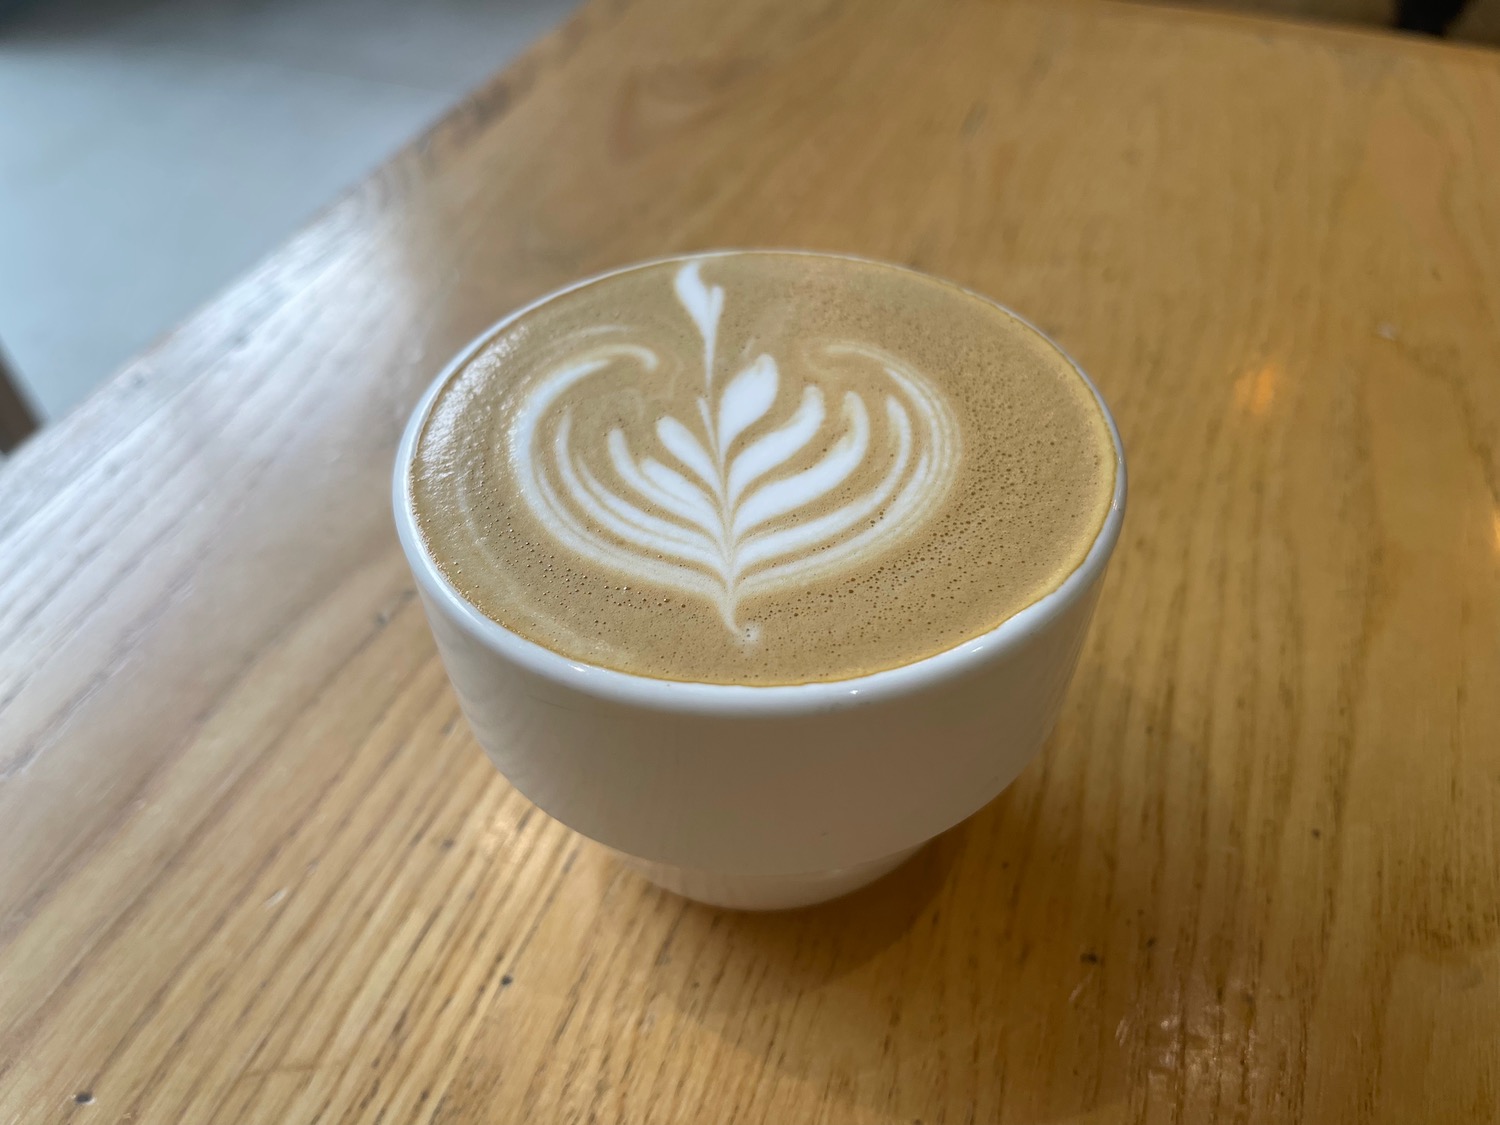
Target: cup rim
(612,685)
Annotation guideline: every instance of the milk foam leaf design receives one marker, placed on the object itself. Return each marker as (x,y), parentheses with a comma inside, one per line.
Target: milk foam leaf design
(767,452)
(747,398)
(679,441)
(704,304)
(740,494)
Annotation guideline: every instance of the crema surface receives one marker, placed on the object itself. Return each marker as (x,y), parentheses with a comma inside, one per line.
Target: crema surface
(761,468)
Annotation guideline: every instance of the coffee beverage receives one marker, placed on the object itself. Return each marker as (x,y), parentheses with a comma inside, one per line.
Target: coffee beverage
(761,468)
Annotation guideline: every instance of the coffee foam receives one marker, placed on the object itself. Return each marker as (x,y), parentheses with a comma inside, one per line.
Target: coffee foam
(761,468)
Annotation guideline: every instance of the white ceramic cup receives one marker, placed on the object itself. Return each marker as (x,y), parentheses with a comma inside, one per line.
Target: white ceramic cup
(759,797)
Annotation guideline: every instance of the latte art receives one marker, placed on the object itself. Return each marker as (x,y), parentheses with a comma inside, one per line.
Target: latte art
(759,468)
(713,509)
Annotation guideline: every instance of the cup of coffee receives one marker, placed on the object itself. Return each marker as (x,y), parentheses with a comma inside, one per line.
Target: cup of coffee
(761,568)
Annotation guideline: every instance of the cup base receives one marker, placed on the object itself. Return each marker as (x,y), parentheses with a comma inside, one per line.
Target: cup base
(765,892)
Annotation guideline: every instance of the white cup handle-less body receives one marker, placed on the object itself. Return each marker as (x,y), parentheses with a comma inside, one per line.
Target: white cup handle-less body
(761,797)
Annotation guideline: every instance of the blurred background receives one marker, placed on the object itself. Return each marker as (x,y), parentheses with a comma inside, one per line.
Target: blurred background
(152,150)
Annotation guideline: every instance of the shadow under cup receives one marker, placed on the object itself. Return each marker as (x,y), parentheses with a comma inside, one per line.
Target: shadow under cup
(760,797)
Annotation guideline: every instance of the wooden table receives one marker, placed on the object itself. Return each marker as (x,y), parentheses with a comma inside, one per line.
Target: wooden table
(256,870)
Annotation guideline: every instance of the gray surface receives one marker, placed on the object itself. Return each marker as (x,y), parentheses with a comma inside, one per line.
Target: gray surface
(152,151)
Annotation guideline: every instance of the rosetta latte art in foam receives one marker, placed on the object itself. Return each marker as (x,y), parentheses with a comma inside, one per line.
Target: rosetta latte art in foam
(730,502)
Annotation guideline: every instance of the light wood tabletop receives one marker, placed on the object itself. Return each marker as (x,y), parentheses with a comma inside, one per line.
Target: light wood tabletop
(255,869)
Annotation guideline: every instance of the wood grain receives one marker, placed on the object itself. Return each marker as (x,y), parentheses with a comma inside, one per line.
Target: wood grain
(256,870)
